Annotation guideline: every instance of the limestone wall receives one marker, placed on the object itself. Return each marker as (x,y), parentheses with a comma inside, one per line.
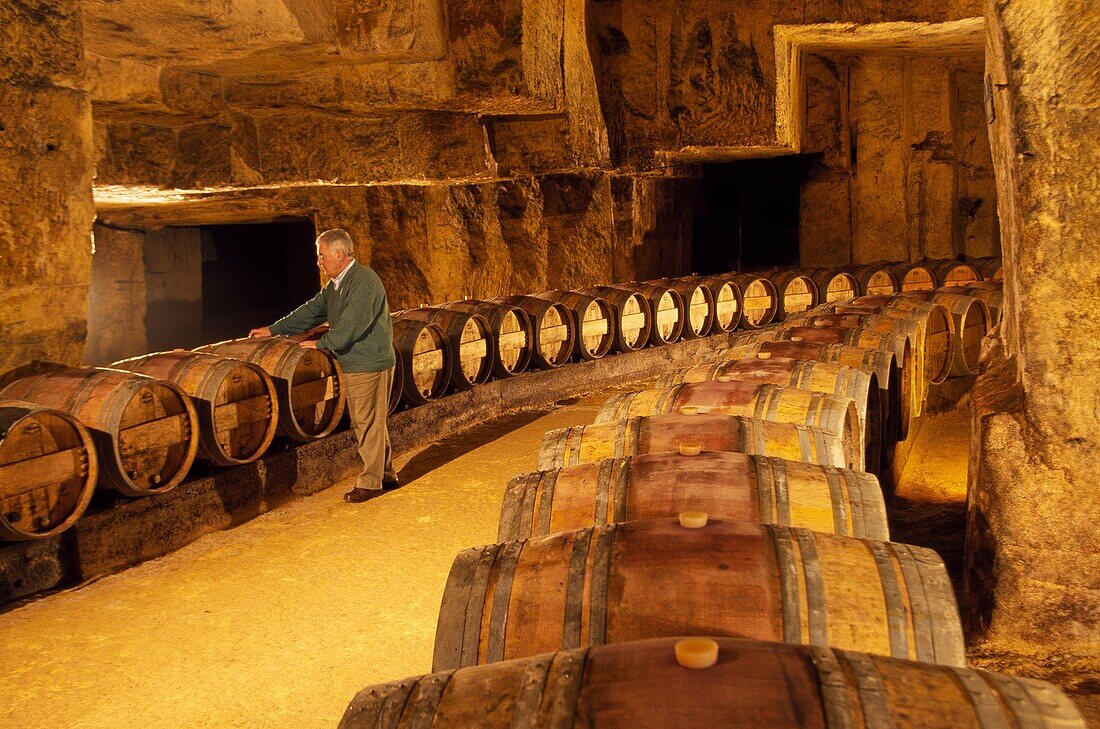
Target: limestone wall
(45,184)
(1033,541)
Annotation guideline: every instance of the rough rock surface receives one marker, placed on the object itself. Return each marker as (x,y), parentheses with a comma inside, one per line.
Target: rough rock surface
(116,297)
(1034,541)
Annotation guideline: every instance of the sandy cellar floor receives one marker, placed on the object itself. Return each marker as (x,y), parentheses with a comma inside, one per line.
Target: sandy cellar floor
(279,622)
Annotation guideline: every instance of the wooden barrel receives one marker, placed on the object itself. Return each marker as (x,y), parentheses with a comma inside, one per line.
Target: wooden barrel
(593,319)
(309,382)
(731,486)
(875,279)
(727,300)
(396,386)
(655,578)
(833,285)
(840,381)
(971,320)
(633,317)
(424,359)
(667,307)
(146,431)
(699,312)
(586,443)
(797,293)
(236,402)
(934,342)
(954,273)
(512,334)
(992,293)
(753,684)
(468,336)
(749,399)
(863,338)
(552,329)
(989,267)
(48,470)
(760,300)
(913,277)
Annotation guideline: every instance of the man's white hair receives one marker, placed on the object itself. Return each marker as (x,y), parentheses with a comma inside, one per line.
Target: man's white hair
(337,239)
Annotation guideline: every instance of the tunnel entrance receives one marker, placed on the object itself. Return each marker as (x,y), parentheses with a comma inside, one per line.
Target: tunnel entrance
(252,274)
(748,219)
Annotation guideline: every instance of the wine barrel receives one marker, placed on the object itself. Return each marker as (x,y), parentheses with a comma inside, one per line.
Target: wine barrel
(654,578)
(834,286)
(586,443)
(511,329)
(750,399)
(236,402)
(146,431)
(396,386)
(760,300)
(424,359)
(934,338)
(913,277)
(797,293)
(593,318)
(840,381)
(875,279)
(731,486)
(971,320)
(552,330)
(753,684)
(989,267)
(727,300)
(667,307)
(699,311)
(895,377)
(863,338)
(48,470)
(992,293)
(309,382)
(633,317)
(469,338)
(954,273)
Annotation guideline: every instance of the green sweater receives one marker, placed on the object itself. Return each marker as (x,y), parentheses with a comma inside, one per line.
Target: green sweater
(360,331)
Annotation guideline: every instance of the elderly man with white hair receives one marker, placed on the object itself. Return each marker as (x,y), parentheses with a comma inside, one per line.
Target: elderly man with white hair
(360,334)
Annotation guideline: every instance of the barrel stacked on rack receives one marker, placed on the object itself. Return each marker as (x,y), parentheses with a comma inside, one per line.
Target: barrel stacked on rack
(729,509)
(137,426)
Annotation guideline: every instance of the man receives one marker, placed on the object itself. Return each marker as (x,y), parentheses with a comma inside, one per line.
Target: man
(361,336)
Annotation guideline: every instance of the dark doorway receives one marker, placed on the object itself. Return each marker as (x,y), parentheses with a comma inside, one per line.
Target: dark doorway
(254,274)
(749,216)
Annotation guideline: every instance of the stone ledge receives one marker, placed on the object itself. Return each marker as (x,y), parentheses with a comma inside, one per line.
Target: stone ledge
(131,531)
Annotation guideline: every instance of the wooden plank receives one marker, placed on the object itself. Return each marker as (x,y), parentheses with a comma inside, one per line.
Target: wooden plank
(231,415)
(310,393)
(32,474)
(160,433)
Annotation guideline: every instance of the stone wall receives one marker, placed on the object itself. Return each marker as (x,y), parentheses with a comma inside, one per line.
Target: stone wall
(1033,540)
(45,184)
(905,170)
(116,297)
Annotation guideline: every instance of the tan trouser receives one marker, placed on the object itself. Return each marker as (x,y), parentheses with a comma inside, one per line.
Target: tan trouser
(368,404)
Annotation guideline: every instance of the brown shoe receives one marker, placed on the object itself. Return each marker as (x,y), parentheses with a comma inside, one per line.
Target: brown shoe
(358,495)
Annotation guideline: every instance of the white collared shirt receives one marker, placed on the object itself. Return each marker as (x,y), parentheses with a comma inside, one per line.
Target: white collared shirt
(340,276)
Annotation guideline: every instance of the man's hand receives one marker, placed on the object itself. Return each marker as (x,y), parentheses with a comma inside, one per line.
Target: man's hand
(308,344)
(260,333)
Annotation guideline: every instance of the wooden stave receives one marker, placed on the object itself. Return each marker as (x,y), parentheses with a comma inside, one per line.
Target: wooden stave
(653,293)
(117,390)
(18,413)
(962,308)
(617,299)
(954,273)
(179,367)
(496,314)
(754,684)
(585,443)
(527,597)
(858,384)
(405,334)
(749,399)
(452,323)
(536,309)
(734,486)
(280,358)
(782,280)
(577,303)
(990,267)
(717,284)
(688,290)
(744,281)
(992,294)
